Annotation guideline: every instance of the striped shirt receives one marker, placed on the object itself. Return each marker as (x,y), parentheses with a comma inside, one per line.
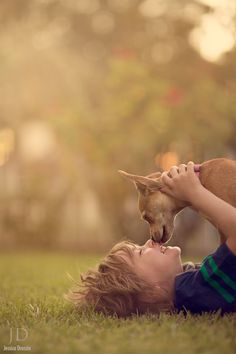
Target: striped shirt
(210,288)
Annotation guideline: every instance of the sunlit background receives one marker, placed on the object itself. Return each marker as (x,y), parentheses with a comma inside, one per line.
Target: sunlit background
(89,87)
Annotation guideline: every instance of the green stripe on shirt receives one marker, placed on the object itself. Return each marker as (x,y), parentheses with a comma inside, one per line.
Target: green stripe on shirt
(221,274)
(214,284)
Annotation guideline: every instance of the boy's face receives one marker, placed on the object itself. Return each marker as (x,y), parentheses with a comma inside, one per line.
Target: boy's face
(156,263)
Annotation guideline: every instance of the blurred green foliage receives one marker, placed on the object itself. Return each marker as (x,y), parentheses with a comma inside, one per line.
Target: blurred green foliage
(114,86)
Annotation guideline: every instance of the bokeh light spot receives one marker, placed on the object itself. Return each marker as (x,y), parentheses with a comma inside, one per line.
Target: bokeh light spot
(152,8)
(167,159)
(7,144)
(103,22)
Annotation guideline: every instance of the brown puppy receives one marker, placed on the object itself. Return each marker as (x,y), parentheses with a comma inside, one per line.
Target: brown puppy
(159,209)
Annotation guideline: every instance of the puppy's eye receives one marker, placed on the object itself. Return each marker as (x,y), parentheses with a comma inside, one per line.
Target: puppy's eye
(148,219)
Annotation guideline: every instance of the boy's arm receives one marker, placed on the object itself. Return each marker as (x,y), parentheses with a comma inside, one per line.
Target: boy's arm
(185,185)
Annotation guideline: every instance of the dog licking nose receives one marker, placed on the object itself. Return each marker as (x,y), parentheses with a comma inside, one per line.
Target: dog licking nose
(161,236)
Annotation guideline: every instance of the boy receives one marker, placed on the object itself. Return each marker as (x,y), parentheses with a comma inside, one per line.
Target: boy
(151,278)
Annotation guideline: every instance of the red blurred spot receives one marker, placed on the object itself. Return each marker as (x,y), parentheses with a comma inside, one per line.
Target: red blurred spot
(174,97)
(124,53)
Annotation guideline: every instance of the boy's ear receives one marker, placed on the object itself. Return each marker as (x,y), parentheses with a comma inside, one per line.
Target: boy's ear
(161,290)
(159,294)
(143,184)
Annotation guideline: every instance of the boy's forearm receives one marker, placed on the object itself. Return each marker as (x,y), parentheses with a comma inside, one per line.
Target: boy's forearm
(221,214)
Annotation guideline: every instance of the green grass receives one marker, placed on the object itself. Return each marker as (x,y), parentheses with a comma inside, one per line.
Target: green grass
(31,296)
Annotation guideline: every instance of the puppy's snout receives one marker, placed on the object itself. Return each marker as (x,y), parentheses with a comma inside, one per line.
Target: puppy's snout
(156,238)
(160,236)
(153,239)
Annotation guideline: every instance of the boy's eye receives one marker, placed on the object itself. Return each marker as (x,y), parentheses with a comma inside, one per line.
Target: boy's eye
(140,252)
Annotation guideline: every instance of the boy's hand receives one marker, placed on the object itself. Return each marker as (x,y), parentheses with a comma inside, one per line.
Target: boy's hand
(183,183)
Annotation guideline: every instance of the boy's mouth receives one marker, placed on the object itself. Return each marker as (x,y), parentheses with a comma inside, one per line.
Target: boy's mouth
(163,249)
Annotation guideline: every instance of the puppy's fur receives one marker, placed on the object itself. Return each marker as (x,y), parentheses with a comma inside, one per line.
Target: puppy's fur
(159,209)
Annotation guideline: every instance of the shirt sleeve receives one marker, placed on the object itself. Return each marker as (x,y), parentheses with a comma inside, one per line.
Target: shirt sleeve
(210,288)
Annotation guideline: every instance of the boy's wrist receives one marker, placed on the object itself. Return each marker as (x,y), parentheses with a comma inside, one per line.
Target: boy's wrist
(196,195)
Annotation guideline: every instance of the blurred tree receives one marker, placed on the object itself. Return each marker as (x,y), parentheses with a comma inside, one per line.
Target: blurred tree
(118,82)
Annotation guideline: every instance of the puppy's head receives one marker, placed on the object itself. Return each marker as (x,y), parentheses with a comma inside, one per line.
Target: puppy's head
(156,208)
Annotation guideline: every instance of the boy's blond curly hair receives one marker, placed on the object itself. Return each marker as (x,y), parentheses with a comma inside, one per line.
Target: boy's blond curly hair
(113,288)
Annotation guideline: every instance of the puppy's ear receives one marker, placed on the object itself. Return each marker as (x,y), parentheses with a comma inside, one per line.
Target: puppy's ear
(143,184)
(154,175)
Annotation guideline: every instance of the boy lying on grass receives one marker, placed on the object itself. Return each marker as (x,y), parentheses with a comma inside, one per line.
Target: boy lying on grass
(151,278)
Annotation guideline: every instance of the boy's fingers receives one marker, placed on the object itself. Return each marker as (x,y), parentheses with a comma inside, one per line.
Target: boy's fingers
(166,179)
(173,171)
(190,166)
(182,167)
